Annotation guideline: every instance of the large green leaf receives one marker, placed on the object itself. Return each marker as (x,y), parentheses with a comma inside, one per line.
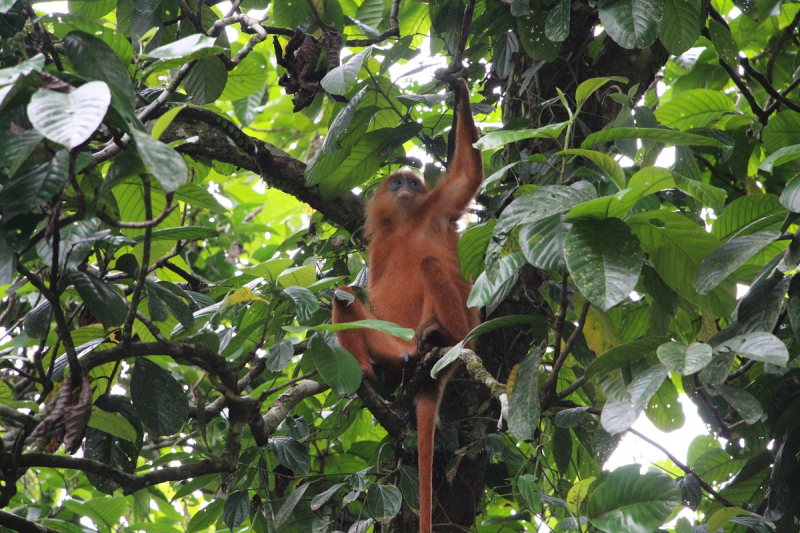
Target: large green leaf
(158,398)
(64,24)
(607,164)
(206,80)
(236,509)
(186,48)
(745,403)
(632,23)
(630,502)
(248,77)
(95,60)
(15,149)
(723,261)
(337,366)
(622,355)
(365,159)
(70,119)
(530,207)
(339,79)
(161,160)
(684,359)
(498,138)
(681,25)
(104,303)
(758,345)
(557,26)
(542,242)
(205,517)
(291,454)
(748,214)
(34,187)
(604,259)
(472,247)
(664,409)
(523,406)
(782,130)
(675,138)
(383,501)
(697,108)
(532,31)
(676,246)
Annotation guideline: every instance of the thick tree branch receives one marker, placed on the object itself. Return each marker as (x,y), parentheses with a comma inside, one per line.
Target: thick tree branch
(17,523)
(267,425)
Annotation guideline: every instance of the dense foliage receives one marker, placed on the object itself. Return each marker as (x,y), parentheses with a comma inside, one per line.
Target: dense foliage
(182,190)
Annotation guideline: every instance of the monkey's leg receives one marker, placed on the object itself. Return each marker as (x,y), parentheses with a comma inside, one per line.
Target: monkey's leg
(367,345)
(444,314)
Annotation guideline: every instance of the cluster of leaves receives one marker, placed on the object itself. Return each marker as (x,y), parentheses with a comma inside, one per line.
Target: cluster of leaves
(168,315)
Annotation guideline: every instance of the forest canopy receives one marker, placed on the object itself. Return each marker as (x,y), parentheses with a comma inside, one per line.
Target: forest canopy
(183,189)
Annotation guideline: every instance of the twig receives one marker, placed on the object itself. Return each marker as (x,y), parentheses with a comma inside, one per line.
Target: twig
(127,330)
(708,488)
(549,387)
(168,208)
(43,35)
(785,36)
(393,31)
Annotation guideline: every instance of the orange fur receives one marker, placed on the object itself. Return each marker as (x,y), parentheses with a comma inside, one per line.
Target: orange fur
(415,281)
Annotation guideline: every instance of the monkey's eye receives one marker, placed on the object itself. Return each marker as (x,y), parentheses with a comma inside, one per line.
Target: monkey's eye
(396,182)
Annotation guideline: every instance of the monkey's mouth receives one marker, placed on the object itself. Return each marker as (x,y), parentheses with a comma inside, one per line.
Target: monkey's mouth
(405,194)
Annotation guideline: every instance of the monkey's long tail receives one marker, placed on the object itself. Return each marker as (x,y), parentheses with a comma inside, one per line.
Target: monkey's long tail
(427,410)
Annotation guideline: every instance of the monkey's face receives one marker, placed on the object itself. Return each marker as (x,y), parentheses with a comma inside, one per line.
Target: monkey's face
(405,187)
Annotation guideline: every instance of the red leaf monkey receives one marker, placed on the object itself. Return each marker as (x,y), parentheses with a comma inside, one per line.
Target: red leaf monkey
(415,281)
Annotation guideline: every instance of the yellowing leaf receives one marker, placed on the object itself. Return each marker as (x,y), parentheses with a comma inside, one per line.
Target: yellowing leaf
(578,493)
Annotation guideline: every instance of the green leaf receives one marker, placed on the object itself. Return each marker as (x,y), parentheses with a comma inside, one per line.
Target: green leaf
(472,247)
(781,157)
(206,80)
(676,246)
(65,23)
(180,234)
(186,48)
(749,214)
(630,502)
(523,406)
(103,302)
(697,108)
(542,242)
(589,87)
(197,196)
(37,321)
(341,122)
(291,454)
(532,32)
(645,385)
(383,501)
(723,516)
(337,366)
(236,509)
(505,46)
(112,423)
(604,259)
(685,360)
(570,418)
(104,511)
(158,398)
(166,165)
(758,345)
(716,466)
(535,205)
(305,303)
(339,79)
(783,130)
(745,403)
(557,26)
(498,138)
(35,186)
(681,25)
(95,60)
(622,355)
(184,488)
(675,138)
(530,491)
(15,149)
(631,23)
(70,119)
(322,498)
(379,325)
(484,291)
(723,261)
(248,77)
(724,43)
(205,517)
(279,356)
(664,410)
(91,9)
(607,164)
(291,502)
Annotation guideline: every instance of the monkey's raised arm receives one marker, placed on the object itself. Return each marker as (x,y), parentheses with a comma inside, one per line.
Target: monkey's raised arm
(459,185)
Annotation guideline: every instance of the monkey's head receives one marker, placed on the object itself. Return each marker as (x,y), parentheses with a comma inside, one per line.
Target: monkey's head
(405,187)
